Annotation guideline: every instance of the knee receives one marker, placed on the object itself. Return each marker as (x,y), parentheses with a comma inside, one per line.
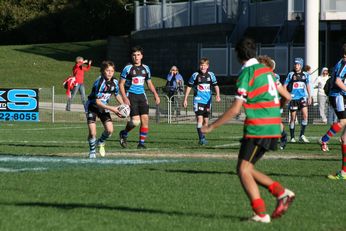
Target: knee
(136,122)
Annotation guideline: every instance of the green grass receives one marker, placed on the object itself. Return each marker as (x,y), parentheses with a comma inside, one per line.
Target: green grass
(47,65)
(121,193)
(47,183)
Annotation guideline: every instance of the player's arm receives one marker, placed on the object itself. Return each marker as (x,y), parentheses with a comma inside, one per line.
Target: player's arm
(286,96)
(187,92)
(119,99)
(340,84)
(232,111)
(153,90)
(106,106)
(217,91)
(123,92)
(308,89)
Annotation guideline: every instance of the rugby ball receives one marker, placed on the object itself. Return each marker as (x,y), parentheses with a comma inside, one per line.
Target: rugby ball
(124,110)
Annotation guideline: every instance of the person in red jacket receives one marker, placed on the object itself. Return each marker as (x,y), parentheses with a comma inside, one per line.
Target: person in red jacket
(78,72)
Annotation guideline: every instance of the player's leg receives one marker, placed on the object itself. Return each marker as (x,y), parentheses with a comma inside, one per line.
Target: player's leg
(248,154)
(143,131)
(132,123)
(341,174)
(292,125)
(283,139)
(304,123)
(106,134)
(201,137)
(91,120)
(338,104)
(144,117)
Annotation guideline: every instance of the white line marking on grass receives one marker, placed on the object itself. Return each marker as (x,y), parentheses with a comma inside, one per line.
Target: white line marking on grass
(226,145)
(27,159)
(53,128)
(21,169)
(43,142)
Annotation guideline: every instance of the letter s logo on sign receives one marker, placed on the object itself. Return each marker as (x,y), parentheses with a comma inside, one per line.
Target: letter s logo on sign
(21,100)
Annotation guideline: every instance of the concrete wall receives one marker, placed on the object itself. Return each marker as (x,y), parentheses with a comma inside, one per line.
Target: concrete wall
(166,47)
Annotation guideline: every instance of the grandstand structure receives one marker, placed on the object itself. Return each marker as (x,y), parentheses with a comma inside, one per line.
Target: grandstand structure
(180,32)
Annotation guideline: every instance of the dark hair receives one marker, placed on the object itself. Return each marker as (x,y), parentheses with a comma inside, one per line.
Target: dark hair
(137,48)
(105,65)
(246,49)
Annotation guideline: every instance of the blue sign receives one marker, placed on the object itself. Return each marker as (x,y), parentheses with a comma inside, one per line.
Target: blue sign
(19,105)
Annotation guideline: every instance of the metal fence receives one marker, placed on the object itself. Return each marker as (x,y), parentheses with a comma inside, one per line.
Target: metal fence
(170,110)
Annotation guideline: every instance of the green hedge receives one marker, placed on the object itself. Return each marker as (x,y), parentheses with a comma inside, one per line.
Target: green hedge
(42,21)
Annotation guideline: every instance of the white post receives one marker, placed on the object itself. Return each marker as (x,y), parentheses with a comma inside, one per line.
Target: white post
(137,17)
(312,9)
(53,104)
(164,13)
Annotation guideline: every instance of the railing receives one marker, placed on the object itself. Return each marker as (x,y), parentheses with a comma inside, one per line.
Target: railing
(170,110)
(156,15)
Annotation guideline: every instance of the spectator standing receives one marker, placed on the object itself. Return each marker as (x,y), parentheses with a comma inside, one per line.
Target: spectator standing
(321,96)
(78,72)
(175,86)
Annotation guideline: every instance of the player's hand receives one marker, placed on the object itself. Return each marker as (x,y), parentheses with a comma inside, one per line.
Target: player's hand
(126,101)
(185,104)
(90,61)
(157,100)
(206,129)
(218,99)
(309,100)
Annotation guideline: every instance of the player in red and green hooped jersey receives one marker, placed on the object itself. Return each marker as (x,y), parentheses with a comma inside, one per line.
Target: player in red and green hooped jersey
(257,92)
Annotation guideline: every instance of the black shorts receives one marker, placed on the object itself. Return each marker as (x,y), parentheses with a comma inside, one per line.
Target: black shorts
(139,104)
(297,104)
(252,149)
(339,104)
(94,112)
(201,109)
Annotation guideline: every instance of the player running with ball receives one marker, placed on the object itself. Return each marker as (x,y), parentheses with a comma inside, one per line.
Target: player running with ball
(97,106)
(257,93)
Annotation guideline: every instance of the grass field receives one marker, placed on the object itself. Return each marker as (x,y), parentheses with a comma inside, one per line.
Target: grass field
(47,65)
(47,183)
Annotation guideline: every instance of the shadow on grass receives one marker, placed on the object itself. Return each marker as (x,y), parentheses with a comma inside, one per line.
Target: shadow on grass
(69,206)
(189,171)
(233,173)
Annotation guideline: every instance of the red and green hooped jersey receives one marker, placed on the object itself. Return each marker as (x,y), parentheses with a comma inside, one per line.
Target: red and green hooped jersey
(257,87)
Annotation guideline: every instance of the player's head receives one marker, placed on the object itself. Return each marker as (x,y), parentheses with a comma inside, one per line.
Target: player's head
(174,69)
(325,71)
(298,64)
(246,49)
(203,65)
(307,68)
(79,59)
(266,60)
(137,55)
(107,69)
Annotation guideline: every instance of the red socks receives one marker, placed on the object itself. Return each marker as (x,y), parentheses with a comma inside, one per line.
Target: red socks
(259,207)
(276,189)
